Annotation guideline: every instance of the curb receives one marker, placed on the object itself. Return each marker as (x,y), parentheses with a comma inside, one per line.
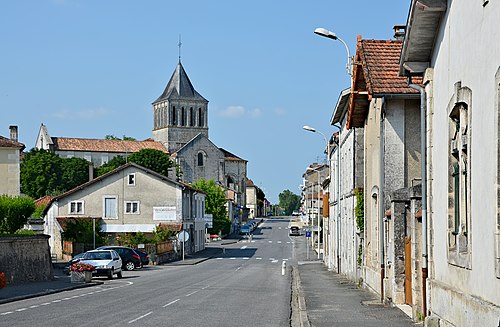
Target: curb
(49,291)
(299,316)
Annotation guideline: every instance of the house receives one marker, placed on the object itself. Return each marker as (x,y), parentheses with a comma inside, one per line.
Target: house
(10,153)
(454,46)
(180,123)
(388,109)
(345,236)
(251,194)
(130,199)
(96,151)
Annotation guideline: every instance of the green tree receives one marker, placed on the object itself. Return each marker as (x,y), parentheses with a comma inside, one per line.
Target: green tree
(110,165)
(75,171)
(261,196)
(155,160)
(289,201)
(14,212)
(82,231)
(215,204)
(41,173)
(125,138)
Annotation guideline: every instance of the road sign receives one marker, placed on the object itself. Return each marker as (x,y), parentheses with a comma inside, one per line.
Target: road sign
(183,236)
(209,220)
(315,228)
(308,233)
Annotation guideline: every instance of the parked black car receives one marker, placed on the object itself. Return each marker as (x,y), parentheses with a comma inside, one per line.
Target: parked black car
(144,257)
(130,258)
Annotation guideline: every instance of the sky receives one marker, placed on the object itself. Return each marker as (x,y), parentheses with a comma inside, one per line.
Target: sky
(91,68)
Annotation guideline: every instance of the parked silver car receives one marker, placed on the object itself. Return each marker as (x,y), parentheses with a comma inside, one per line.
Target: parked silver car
(107,262)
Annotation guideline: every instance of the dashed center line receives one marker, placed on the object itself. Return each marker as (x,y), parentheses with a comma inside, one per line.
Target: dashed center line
(145,315)
(192,293)
(170,303)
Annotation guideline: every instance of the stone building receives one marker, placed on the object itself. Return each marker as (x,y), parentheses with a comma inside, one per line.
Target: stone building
(10,151)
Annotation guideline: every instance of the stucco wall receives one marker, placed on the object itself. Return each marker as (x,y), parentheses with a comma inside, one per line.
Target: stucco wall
(25,259)
(9,171)
(467,51)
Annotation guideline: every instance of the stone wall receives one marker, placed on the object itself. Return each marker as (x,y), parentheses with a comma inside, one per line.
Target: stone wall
(25,258)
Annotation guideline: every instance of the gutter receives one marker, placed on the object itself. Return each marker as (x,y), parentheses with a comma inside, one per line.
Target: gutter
(423,160)
(382,202)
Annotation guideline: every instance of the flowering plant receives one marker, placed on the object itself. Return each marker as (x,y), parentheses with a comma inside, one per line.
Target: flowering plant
(80,267)
(2,280)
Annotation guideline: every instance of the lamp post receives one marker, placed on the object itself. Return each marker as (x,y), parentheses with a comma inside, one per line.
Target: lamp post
(331,35)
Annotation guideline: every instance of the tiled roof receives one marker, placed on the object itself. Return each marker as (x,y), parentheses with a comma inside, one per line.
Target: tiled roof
(376,73)
(43,200)
(97,145)
(229,156)
(8,143)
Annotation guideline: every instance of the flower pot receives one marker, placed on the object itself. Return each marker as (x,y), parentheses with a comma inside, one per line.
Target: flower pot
(77,277)
(88,276)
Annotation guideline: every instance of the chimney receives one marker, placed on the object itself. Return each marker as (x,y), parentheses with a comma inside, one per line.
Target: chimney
(399,32)
(13,133)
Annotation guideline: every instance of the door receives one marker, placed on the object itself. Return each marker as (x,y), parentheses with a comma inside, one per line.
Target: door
(408,291)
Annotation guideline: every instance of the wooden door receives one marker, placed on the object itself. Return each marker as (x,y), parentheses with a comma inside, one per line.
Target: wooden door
(408,292)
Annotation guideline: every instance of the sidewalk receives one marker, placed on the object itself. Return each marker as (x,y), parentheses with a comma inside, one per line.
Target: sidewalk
(324,298)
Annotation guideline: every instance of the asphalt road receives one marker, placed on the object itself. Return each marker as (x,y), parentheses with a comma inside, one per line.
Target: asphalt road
(242,286)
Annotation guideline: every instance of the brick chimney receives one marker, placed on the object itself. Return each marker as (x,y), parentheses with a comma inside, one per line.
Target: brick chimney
(13,133)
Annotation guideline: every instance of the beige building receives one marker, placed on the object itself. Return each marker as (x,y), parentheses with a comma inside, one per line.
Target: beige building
(251,194)
(122,201)
(10,153)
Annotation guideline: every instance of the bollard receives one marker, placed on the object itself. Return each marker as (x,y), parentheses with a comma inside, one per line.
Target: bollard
(283,268)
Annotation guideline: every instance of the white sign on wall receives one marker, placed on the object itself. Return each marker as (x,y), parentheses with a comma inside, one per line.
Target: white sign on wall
(164,213)
(209,220)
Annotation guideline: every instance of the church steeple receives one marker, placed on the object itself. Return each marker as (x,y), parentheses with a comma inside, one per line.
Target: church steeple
(180,113)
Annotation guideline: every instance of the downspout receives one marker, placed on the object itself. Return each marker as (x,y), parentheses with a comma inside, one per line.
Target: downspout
(382,202)
(338,199)
(423,154)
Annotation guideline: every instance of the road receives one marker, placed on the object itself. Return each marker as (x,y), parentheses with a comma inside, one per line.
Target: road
(242,286)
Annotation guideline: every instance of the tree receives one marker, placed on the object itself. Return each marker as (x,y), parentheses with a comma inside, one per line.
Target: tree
(110,165)
(215,204)
(44,172)
(289,201)
(14,212)
(80,230)
(125,138)
(155,160)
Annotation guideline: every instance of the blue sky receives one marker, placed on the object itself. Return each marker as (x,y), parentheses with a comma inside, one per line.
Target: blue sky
(91,68)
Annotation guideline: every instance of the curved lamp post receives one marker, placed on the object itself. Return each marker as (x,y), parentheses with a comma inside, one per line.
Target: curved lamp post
(331,35)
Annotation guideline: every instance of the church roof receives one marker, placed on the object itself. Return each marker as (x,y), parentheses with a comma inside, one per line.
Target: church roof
(230,157)
(180,87)
(99,145)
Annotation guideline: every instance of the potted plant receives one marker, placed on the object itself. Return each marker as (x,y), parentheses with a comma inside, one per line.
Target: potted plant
(81,272)
(2,280)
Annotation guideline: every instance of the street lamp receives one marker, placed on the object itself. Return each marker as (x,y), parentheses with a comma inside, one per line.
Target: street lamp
(331,35)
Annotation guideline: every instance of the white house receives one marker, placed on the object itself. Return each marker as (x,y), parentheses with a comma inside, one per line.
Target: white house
(455,46)
(129,199)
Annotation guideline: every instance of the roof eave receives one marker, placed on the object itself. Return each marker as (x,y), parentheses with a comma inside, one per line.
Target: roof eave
(342,106)
(421,30)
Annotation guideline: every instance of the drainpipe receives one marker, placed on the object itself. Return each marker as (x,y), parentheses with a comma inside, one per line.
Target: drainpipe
(423,160)
(338,199)
(382,203)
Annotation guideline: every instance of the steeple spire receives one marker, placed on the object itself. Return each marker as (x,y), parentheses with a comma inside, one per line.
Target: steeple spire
(179,44)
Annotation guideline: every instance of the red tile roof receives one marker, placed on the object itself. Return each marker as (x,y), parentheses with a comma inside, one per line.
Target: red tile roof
(43,200)
(97,145)
(376,73)
(8,143)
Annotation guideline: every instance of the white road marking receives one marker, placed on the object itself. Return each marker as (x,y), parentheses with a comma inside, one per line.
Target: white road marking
(246,258)
(279,242)
(258,258)
(253,241)
(274,261)
(170,303)
(270,241)
(6,313)
(34,306)
(56,301)
(238,268)
(204,288)
(192,293)
(22,309)
(271,259)
(279,227)
(220,258)
(243,247)
(285,259)
(46,303)
(134,320)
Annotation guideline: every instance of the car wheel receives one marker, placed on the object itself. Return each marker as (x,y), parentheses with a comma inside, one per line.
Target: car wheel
(110,274)
(119,274)
(130,266)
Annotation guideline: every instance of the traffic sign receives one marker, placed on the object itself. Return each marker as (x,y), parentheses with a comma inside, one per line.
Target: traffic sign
(183,236)
(308,233)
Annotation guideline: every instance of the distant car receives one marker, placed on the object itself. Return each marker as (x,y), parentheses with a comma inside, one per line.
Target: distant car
(144,257)
(294,231)
(295,213)
(245,229)
(107,262)
(130,259)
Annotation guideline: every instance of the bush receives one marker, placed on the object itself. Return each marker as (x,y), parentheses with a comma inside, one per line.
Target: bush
(14,212)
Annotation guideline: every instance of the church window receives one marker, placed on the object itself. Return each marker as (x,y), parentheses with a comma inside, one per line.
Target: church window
(174,116)
(191,116)
(200,159)
(200,117)
(459,178)
(183,116)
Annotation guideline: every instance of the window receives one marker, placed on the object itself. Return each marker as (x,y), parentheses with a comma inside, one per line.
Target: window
(200,117)
(183,116)
(173,116)
(191,116)
(76,208)
(131,179)
(132,207)
(110,210)
(200,159)
(459,181)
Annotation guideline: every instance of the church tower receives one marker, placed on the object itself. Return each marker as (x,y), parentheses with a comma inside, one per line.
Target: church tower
(180,113)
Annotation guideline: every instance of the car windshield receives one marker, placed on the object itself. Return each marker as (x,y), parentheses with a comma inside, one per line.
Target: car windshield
(100,255)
